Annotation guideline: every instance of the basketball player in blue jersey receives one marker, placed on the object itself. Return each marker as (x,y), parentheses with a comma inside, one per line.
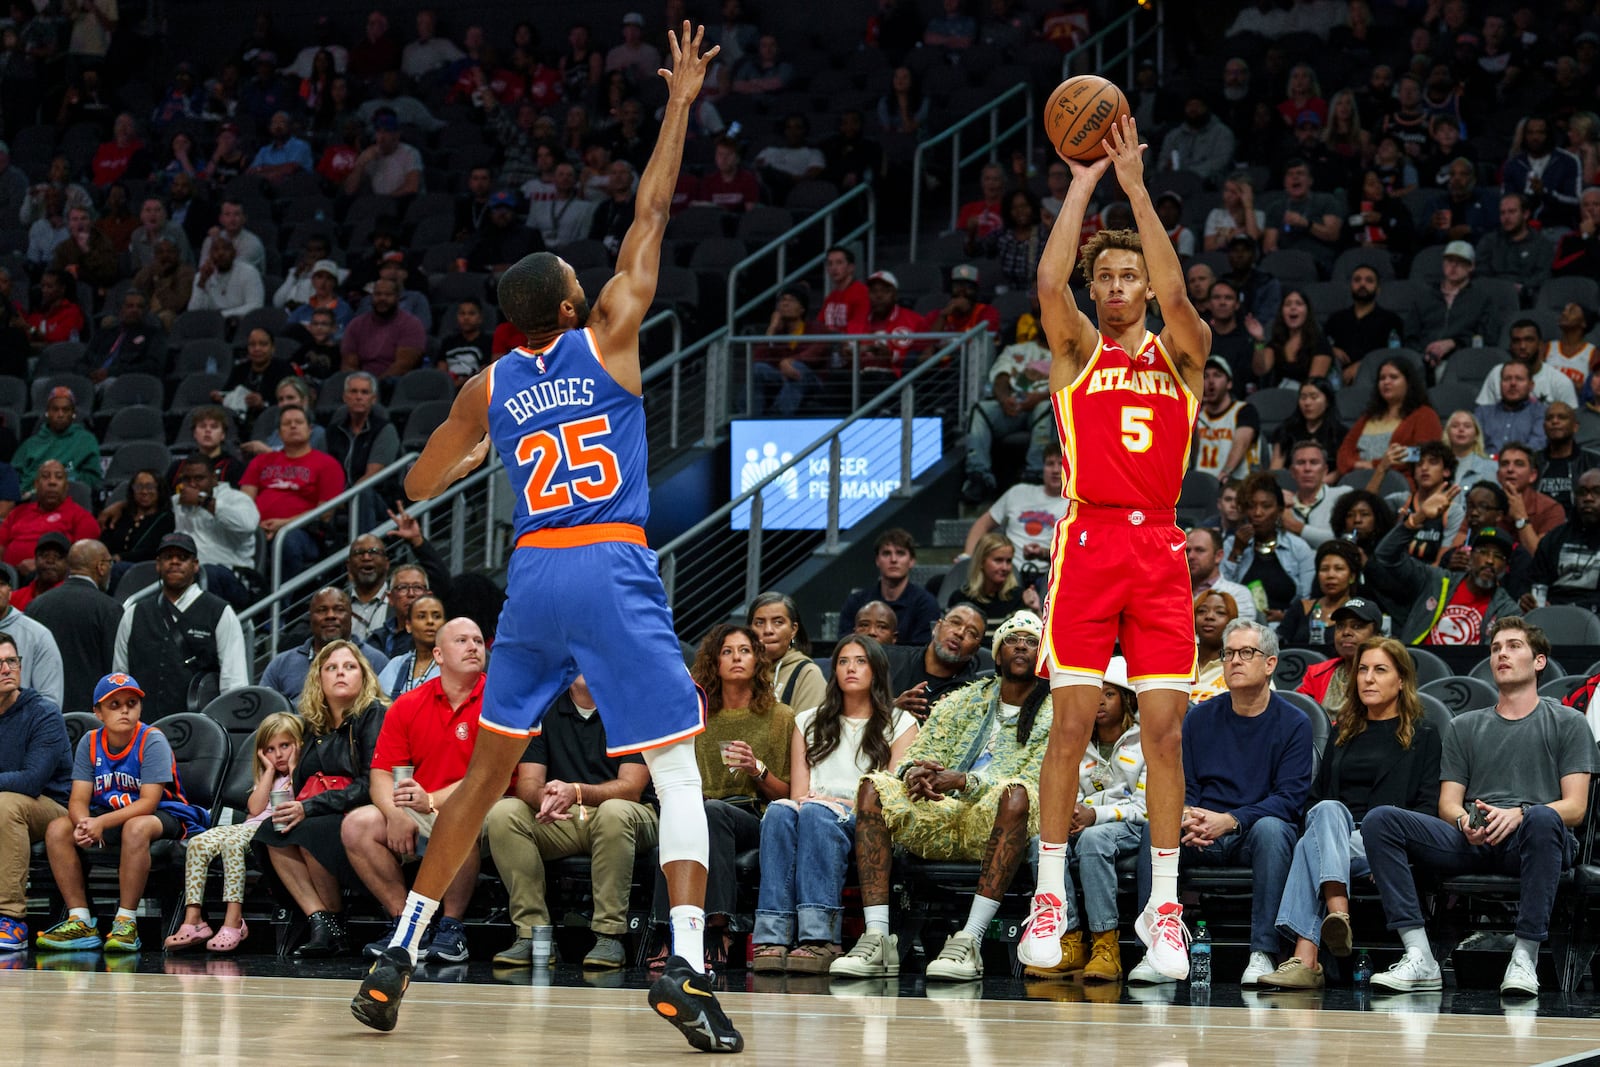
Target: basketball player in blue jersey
(566,417)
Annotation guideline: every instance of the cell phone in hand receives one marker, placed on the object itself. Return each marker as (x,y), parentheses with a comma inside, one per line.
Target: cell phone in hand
(1412,454)
(1476,819)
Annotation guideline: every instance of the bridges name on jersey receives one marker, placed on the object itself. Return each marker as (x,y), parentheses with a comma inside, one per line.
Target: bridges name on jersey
(540,397)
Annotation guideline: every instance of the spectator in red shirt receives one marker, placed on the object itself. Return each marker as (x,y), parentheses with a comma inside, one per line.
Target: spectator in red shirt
(121,157)
(964,310)
(730,186)
(883,361)
(980,218)
(386,341)
(287,483)
(58,319)
(845,307)
(49,510)
(339,158)
(506,337)
(431,730)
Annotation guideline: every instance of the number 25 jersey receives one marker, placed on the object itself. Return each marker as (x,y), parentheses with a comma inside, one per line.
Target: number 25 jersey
(1126,423)
(572,439)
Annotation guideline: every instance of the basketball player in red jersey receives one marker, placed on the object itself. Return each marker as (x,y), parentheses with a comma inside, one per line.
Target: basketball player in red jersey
(1125,403)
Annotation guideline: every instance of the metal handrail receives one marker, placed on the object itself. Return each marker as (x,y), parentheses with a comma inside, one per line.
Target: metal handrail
(349,498)
(902,391)
(991,111)
(1126,23)
(853,340)
(664,317)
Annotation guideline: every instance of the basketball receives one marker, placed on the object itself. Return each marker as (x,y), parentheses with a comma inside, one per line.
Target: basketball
(1079,113)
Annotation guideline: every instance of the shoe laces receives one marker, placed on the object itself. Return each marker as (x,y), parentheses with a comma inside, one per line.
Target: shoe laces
(1170,929)
(1044,921)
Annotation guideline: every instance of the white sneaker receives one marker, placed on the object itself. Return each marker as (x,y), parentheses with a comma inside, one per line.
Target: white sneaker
(1260,964)
(874,956)
(1146,974)
(1040,944)
(1162,930)
(1412,974)
(961,960)
(1520,979)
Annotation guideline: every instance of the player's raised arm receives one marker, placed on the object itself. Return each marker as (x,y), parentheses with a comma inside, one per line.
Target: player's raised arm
(1067,329)
(622,304)
(1188,332)
(456,448)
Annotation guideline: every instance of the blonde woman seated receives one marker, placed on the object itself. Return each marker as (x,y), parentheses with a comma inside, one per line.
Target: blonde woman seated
(806,839)
(1106,825)
(1213,611)
(1385,753)
(992,585)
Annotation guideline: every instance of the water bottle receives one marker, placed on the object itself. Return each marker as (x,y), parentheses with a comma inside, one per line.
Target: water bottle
(1318,630)
(1394,338)
(1200,959)
(1363,971)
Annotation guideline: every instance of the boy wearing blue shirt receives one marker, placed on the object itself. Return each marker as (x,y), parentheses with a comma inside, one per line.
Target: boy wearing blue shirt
(125,794)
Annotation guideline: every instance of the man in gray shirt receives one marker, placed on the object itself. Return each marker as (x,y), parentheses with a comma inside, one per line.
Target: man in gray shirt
(1514,778)
(1515,251)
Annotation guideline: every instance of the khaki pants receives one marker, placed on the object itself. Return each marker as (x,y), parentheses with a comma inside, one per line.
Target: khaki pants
(22,822)
(611,836)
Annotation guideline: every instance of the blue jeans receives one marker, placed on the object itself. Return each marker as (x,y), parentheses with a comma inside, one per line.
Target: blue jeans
(1540,849)
(1097,849)
(989,420)
(300,551)
(792,392)
(1266,848)
(804,854)
(1330,850)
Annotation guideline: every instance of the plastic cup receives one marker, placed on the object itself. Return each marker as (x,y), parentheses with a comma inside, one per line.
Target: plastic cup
(279,797)
(402,773)
(1541,595)
(727,759)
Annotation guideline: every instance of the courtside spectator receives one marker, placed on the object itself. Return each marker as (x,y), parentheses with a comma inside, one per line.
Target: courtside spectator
(329,616)
(921,674)
(82,620)
(797,681)
(35,783)
(1329,683)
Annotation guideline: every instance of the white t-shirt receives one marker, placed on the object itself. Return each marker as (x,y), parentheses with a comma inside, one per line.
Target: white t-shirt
(1549,386)
(1029,515)
(1219,221)
(791,161)
(840,772)
(1576,368)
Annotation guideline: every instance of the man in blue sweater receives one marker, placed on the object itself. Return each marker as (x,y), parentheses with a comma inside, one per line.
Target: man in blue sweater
(1247,769)
(35,780)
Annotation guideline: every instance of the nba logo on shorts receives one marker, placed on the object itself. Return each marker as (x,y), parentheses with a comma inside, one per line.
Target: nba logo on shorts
(1083,538)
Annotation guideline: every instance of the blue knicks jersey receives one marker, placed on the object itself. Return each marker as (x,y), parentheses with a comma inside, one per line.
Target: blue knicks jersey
(571,438)
(119,776)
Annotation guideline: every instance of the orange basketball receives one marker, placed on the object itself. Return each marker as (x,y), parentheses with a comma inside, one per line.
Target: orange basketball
(1079,113)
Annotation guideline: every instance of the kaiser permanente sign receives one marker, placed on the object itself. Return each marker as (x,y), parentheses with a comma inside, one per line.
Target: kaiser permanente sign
(869,468)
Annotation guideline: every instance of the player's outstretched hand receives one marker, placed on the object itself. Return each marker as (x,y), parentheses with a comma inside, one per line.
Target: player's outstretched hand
(1088,174)
(1126,153)
(689,67)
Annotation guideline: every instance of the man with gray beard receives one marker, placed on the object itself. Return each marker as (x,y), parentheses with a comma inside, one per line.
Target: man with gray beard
(922,675)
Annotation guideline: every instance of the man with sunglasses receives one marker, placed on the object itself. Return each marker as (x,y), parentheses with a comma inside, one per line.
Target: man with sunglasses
(921,674)
(1247,761)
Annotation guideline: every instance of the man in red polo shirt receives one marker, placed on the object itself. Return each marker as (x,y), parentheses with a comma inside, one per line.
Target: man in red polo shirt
(847,304)
(431,730)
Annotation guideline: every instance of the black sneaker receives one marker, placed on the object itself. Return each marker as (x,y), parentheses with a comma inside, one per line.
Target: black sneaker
(378,1003)
(684,998)
(977,488)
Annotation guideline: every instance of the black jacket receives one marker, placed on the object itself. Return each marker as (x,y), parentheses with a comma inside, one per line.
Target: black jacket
(346,753)
(1410,779)
(84,622)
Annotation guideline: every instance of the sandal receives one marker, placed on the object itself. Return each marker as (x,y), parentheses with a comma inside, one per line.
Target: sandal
(813,958)
(228,938)
(188,936)
(770,959)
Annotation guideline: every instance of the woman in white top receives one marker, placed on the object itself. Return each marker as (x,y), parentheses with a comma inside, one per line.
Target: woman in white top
(407,672)
(806,841)
(1237,215)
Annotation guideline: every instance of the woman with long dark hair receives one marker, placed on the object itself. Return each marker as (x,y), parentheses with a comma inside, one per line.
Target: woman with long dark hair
(1315,419)
(1020,243)
(146,517)
(1309,620)
(806,840)
(797,681)
(1386,753)
(1362,518)
(1397,417)
(1295,349)
(1264,552)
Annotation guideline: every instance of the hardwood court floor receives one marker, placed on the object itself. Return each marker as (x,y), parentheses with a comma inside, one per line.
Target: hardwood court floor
(200,1018)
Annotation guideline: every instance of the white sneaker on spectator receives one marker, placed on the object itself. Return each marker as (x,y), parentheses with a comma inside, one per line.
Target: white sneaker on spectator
(875,955)
(1519,979)
(961,960)
(1163,932)
(1146,974)
(1260,964)
(1410,975)
(1040,944)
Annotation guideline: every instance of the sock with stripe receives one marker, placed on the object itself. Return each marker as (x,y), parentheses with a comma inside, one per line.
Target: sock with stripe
(412,923)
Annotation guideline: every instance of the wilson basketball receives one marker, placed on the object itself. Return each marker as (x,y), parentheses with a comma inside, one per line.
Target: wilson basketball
(1079,113)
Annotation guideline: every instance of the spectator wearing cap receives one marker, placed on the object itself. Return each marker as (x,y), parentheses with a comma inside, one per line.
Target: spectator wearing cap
(1202,144)
(1169,209)
(180,632)
(786,371)
(1515,252)
(408,110)
(62,438)
(284,155)
(1567,561)
(1225,428)
(82,619)
(36,647)
(1306,143)
(635,57)
(324,296)
(57,317)
(385,340)
(1457,314)
(49,568)
(1446,607)
(502,239)
(963,310)
(136,346)
(1548,176)
(1306,221)
(728,185)
(392,267)
(387,167)
(881,361)
(566,216)
(155,227)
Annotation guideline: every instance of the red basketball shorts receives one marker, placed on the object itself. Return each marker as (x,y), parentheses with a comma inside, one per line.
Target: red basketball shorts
(1119,574)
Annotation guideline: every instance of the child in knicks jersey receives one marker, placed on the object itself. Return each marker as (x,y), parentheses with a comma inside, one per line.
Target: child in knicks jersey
(125,794)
